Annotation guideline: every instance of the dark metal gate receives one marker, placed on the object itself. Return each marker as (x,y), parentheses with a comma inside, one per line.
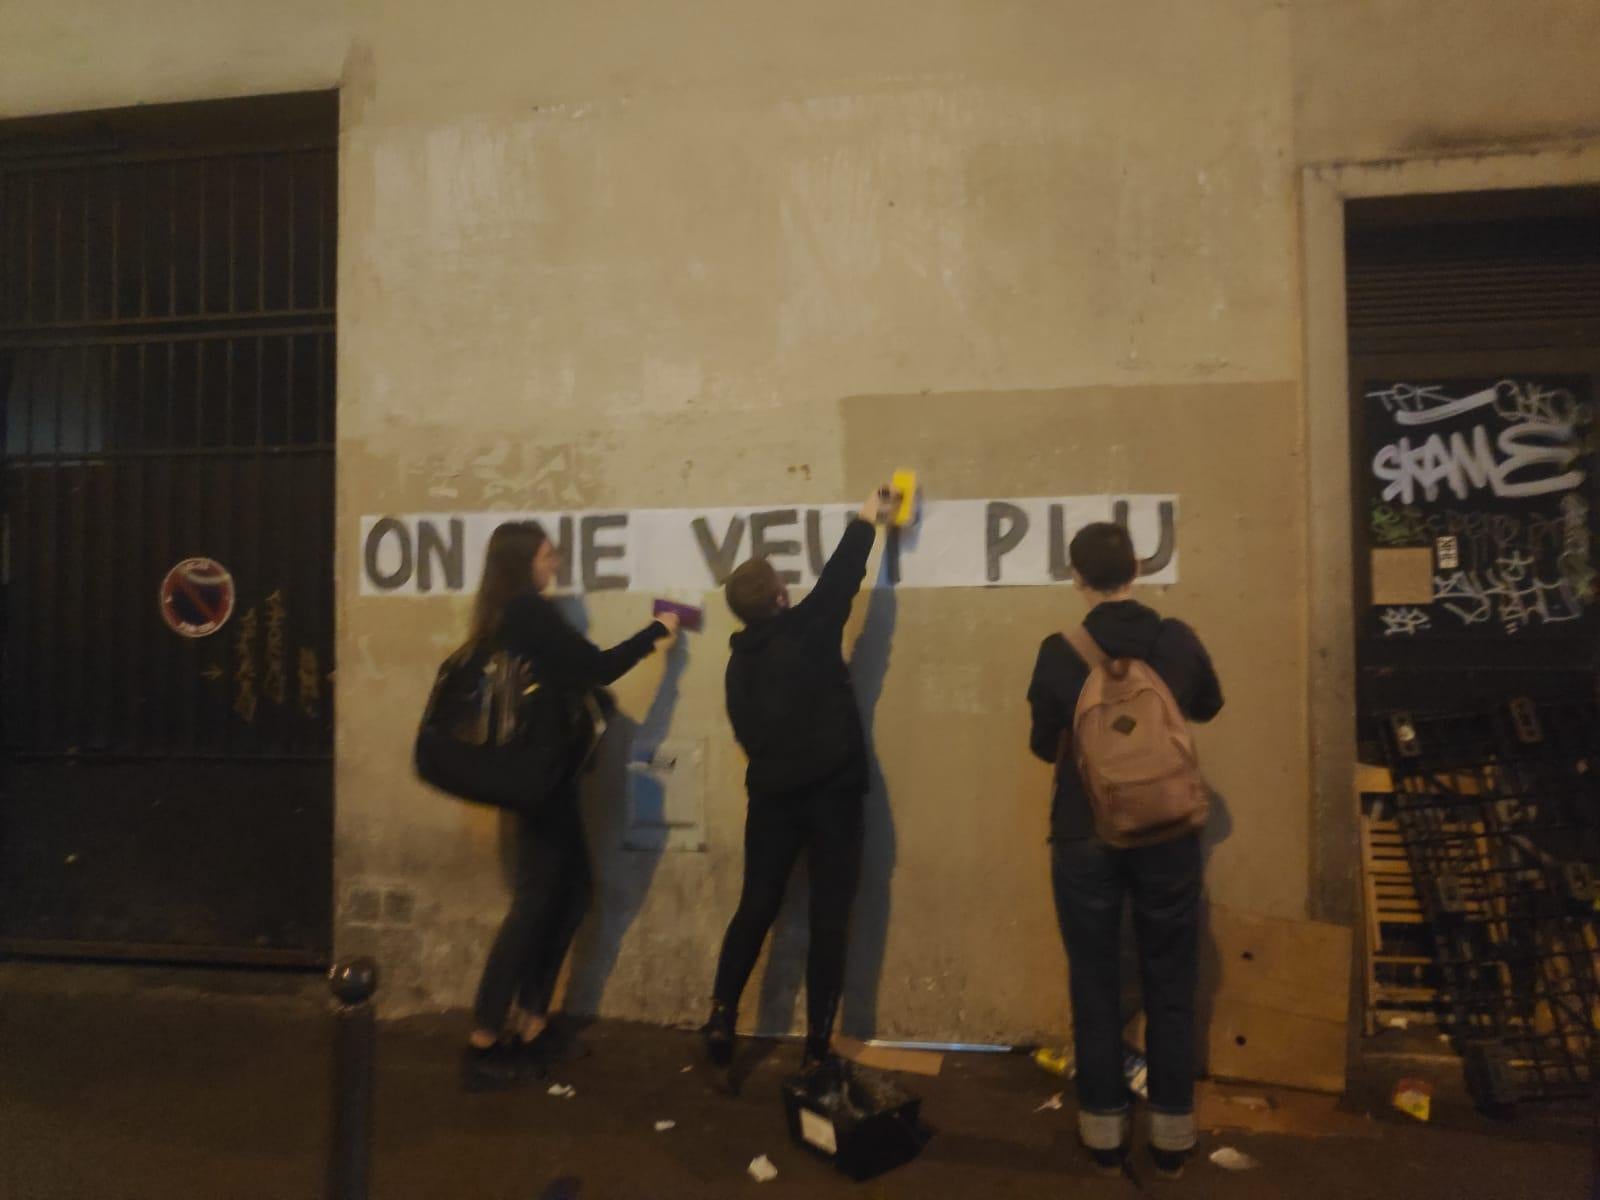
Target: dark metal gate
(1474,378)
(167,381)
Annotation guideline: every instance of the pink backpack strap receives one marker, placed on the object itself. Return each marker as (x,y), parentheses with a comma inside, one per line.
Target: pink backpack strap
(1088,649)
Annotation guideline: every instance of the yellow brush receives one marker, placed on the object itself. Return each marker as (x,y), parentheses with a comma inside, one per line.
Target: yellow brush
(905,484)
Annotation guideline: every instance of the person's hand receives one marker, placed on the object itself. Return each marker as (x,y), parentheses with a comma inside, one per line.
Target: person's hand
(878,506)
(669,620)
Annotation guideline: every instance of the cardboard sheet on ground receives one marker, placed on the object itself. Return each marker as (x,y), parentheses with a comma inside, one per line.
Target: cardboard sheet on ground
(889,1058)
(1228,1108)
(1277,995)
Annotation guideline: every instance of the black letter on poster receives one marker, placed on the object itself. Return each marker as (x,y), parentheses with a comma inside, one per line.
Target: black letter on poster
(760,547)
(451,556)
(814,540)
(563,547)
(719,559)
(1060,568)
(998,541)
(891,554)
(1169,536)
(588,529)
(401,574)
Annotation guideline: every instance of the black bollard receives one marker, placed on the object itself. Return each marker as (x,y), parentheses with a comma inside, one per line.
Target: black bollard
(355,1042)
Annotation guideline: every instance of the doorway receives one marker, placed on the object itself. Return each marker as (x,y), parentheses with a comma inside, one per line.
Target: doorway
(167,333)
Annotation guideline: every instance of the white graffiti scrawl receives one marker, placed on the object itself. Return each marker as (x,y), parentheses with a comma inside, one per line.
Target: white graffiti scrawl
(1510,593)
(1526,446)
(1404,622)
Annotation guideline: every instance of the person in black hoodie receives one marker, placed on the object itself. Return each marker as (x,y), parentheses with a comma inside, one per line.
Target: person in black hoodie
(1092,879)
(794,713)
(553,884)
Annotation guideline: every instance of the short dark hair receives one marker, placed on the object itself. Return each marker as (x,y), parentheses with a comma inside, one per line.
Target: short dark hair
(1102,554)
(753,590)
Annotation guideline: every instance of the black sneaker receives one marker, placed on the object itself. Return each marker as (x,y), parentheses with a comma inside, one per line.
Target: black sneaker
(532,1057)
(1109,1162)
(1168,1163)
(491,1069)
(554,1046)
(717,1034)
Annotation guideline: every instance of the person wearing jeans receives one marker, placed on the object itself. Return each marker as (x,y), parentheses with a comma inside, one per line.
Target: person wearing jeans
(1093,880)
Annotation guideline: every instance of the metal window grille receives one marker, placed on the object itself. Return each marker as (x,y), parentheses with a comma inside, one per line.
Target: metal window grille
(167,389)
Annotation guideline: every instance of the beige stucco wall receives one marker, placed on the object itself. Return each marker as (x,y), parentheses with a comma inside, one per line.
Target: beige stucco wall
(631,254)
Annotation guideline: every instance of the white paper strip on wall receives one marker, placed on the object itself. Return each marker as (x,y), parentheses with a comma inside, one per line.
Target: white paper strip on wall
(957,543)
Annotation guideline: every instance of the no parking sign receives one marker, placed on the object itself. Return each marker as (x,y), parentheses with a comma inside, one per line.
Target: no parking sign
(197,597)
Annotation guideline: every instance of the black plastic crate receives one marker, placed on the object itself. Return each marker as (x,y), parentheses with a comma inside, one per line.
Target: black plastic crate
(859,1120)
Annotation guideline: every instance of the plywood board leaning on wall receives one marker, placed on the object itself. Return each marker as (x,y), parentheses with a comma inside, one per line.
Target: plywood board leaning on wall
(1278,993)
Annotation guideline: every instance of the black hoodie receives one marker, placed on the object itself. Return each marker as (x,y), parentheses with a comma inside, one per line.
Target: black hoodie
(789,695)
(1123,629)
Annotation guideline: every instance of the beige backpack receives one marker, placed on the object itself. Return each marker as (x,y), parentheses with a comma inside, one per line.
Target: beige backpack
(1134,751)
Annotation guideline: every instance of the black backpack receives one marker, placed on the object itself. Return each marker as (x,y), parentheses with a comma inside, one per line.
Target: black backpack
(492,735)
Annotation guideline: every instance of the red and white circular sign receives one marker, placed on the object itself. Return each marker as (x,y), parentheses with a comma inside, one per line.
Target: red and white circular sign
(197,597)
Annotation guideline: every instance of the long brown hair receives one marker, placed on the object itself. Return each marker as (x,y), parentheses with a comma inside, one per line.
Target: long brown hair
(507,570)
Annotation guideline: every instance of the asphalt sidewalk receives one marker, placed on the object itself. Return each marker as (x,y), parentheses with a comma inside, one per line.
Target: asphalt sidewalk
(120,1083)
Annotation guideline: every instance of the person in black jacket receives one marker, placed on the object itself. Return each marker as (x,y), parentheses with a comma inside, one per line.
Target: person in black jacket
(553,882)
(794,713)
(1092,879)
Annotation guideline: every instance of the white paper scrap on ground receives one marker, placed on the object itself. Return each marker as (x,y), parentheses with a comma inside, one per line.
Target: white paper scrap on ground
(663,1126)
(564,1090)
(762,1170)
(1052,1104)
(1230,1159)
(818,1131)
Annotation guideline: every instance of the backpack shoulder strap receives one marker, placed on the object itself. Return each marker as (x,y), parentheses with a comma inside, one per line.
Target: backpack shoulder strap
(1081,640)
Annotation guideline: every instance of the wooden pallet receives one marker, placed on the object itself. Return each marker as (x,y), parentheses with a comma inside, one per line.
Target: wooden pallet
(1400,974)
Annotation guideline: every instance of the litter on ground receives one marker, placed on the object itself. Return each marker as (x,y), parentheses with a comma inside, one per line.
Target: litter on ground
(1230,1159)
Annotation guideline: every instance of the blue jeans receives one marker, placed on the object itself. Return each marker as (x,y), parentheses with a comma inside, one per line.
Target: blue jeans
(1091,881)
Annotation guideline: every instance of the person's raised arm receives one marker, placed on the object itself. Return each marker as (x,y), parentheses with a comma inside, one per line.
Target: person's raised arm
(563,656)
(845,569)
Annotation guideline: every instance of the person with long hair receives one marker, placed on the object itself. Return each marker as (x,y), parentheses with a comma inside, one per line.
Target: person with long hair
(553,882)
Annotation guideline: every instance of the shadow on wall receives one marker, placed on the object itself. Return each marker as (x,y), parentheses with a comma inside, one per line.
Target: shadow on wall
(1219,828)
(622,877)
(869,922)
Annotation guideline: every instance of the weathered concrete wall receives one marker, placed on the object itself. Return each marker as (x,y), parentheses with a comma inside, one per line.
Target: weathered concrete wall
(1394,79)
(630,254)
(753,280)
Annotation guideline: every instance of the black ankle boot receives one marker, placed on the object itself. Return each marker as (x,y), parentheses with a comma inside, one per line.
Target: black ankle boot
(717,1033)
(1168,1163)
(819,1050)
(1109,1162)
(489,1068)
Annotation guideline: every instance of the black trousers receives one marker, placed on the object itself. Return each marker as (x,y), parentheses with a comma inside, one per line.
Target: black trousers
(1092,880)
(825,824)
(551,893)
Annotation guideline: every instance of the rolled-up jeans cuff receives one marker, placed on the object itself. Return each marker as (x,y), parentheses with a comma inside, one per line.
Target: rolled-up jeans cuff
(1172,1131)
(1103,1131)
